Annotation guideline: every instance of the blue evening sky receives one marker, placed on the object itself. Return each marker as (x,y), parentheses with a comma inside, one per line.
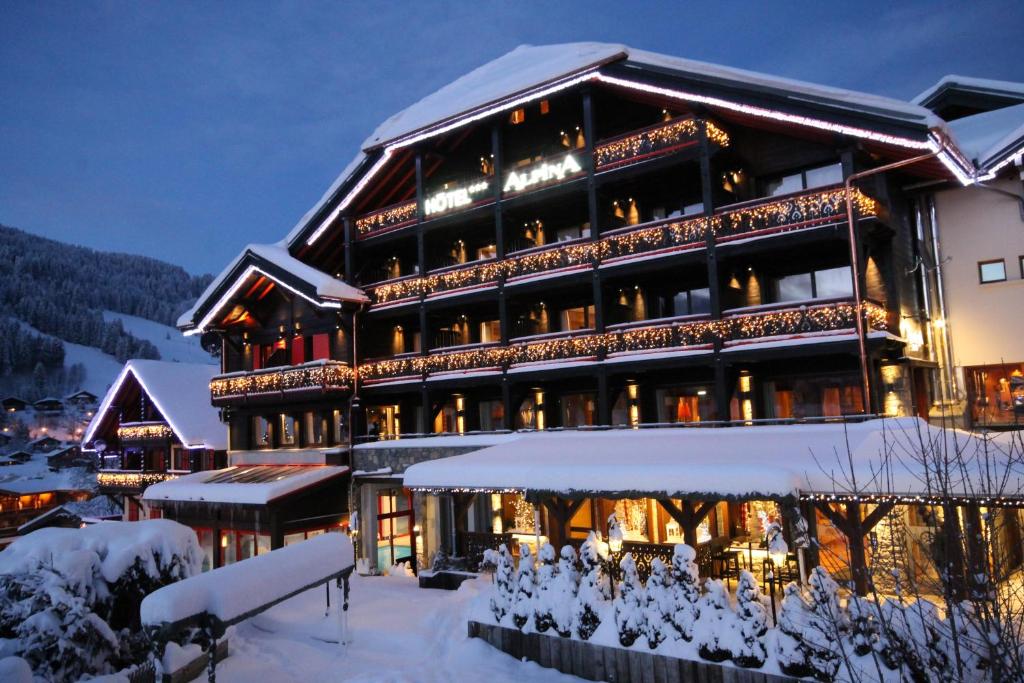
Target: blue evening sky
(184,130)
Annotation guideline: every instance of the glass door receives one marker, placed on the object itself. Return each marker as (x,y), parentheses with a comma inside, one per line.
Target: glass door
(394,527)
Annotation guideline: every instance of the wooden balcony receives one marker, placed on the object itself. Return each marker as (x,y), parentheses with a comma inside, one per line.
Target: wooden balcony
(389,218)
(764,217)
(308,381)
(144,432)
(129,481)
(686,334)
(654,141)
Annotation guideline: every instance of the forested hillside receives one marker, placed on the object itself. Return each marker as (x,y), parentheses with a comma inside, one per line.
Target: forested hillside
(61,291)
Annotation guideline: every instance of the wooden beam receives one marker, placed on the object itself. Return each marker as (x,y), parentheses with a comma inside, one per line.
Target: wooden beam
(688,518)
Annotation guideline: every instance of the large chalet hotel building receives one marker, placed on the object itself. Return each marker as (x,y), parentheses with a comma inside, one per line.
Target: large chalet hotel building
(582,236)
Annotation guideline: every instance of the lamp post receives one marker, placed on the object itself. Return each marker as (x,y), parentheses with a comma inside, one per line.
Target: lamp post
(614,548)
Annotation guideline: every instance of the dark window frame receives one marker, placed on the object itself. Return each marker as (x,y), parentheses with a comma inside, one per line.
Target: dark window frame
(981,276)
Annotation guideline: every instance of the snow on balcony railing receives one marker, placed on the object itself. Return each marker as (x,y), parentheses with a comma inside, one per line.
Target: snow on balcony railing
(130,480)
(682,334)
(318,376)
(144,431)
(389,218)
(663,138)
(779,215)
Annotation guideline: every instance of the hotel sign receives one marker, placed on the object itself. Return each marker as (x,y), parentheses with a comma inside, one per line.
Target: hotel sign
(545,172)
(446,199)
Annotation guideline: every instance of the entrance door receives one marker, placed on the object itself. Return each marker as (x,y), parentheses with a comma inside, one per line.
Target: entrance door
(394,527)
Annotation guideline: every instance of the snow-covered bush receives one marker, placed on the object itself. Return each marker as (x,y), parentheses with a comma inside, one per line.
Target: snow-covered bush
(864,625)
(69,598)
(828,624)
(629,605)
(594,590)
(547,572)
(752,623)
(685,591)
(562,596)
(501,598)
(915,640)
(795,617)
(522,601)
(659,604)
(712,631)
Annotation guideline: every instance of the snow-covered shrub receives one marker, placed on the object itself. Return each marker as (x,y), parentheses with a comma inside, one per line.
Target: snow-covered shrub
(562,595)
(712,630)
(501,598)
(659,604)
(69,598)
(594,589)
(685,588)
(916,641)
(864,625)
(795,617)
(629,605)
(752,623)
(522,601)
(547,572)
(827,625)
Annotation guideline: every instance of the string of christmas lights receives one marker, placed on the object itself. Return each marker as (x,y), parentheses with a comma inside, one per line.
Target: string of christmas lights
(671,134)
(792,321)
(332,375)
(797,212)
(131,480)
(144,432)
(387,217)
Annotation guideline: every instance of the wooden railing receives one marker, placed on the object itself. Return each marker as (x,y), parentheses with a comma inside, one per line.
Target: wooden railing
(144,431)
(797,212)
(657,140)
(129,480)
(271,384)
(389,218)
(676,335)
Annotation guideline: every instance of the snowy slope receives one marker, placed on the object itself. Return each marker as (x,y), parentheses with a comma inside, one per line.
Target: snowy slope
(171,343)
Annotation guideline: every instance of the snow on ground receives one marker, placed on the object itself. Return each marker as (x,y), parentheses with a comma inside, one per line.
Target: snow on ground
(400,634)
(171,343)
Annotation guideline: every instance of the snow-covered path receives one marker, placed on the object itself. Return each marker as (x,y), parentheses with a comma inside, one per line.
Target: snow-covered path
(400,634)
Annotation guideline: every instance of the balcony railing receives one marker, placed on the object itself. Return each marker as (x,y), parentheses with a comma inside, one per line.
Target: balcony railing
(129,480)
(389,218)
(767,217)
(144,431)
(664,138)
(271,384)
(678,335)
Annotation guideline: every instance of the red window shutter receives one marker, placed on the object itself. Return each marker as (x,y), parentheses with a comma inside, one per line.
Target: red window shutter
(298,350)
(321,347)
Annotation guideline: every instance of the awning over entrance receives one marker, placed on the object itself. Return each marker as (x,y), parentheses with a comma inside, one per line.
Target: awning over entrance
(250,485)
(888,458)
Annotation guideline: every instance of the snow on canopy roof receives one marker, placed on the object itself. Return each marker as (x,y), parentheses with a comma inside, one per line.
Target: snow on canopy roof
(255,485)
(181,392)
(741,462)
(983,136)
(34,476)
(325,286)
(236,590)
(971,84)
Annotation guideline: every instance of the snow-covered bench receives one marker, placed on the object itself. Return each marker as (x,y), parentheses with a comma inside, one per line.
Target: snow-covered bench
(217,599)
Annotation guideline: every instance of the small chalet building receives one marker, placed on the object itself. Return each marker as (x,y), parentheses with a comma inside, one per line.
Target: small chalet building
(13,404)
(155,423)
(43,444)
(579,238)
(81,399)
(49,406)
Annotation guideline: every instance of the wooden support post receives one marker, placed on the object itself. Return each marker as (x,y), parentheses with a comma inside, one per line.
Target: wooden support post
(854,527)
(688,517)
(560,514)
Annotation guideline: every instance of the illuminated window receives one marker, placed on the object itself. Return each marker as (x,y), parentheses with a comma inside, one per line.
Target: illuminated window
(581,318)
(992,271)
(579,410)
(490,331)
(813,177)
(262,435)
(517,117)
(289,428)
(545,106)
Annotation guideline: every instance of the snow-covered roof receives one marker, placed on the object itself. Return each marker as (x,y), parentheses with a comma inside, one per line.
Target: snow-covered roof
(970,84)
(743,462)
(181,392)
(35,476)
(445,441)
(276,256)
(532,69)
(233,591)
(982,137)
(255,485)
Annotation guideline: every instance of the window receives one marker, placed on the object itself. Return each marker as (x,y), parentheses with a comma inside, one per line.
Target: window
(580,318)
(794,287)
(1021,258)
(685,404)
(692,302)
(289,428)
(517,116)
(805,180)
(578,410)
(992,271)
(490,331)
(492,415)
(261,432)
(574,232)
(486,252)
(298,350)
(828,283)
(315,429)
(321,347)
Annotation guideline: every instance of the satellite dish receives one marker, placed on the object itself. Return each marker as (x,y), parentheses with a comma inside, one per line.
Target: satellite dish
(210,341)
(99,445)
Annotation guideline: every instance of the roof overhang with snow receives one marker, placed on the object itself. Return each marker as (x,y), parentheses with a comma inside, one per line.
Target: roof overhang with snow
(877,458)
(257,485)
(530,73)
(274,263)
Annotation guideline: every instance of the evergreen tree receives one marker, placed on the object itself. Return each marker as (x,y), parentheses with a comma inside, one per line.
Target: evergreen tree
(563,596)
(685,591)
(716,620)
(659,606)
(794,621)
(525,585)
(828,624)
(629,605)
(39,380)
(752,621)
(594,590)
(501,599)
(547,574)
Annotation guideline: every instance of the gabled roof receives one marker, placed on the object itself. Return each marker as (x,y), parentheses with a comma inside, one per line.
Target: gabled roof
(181,392)
(992,138)
(986,92)
(274,262)
(530,72)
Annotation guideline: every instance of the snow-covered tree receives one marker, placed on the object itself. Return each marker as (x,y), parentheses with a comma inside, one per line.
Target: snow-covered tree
(562,596)
(795,617)
(864,625)
(594,590)
(630,618)
(525,586)
(752,623)
(712,630)
(829,622)
(659,604)
(501,598)
(547,575)
(685,587)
